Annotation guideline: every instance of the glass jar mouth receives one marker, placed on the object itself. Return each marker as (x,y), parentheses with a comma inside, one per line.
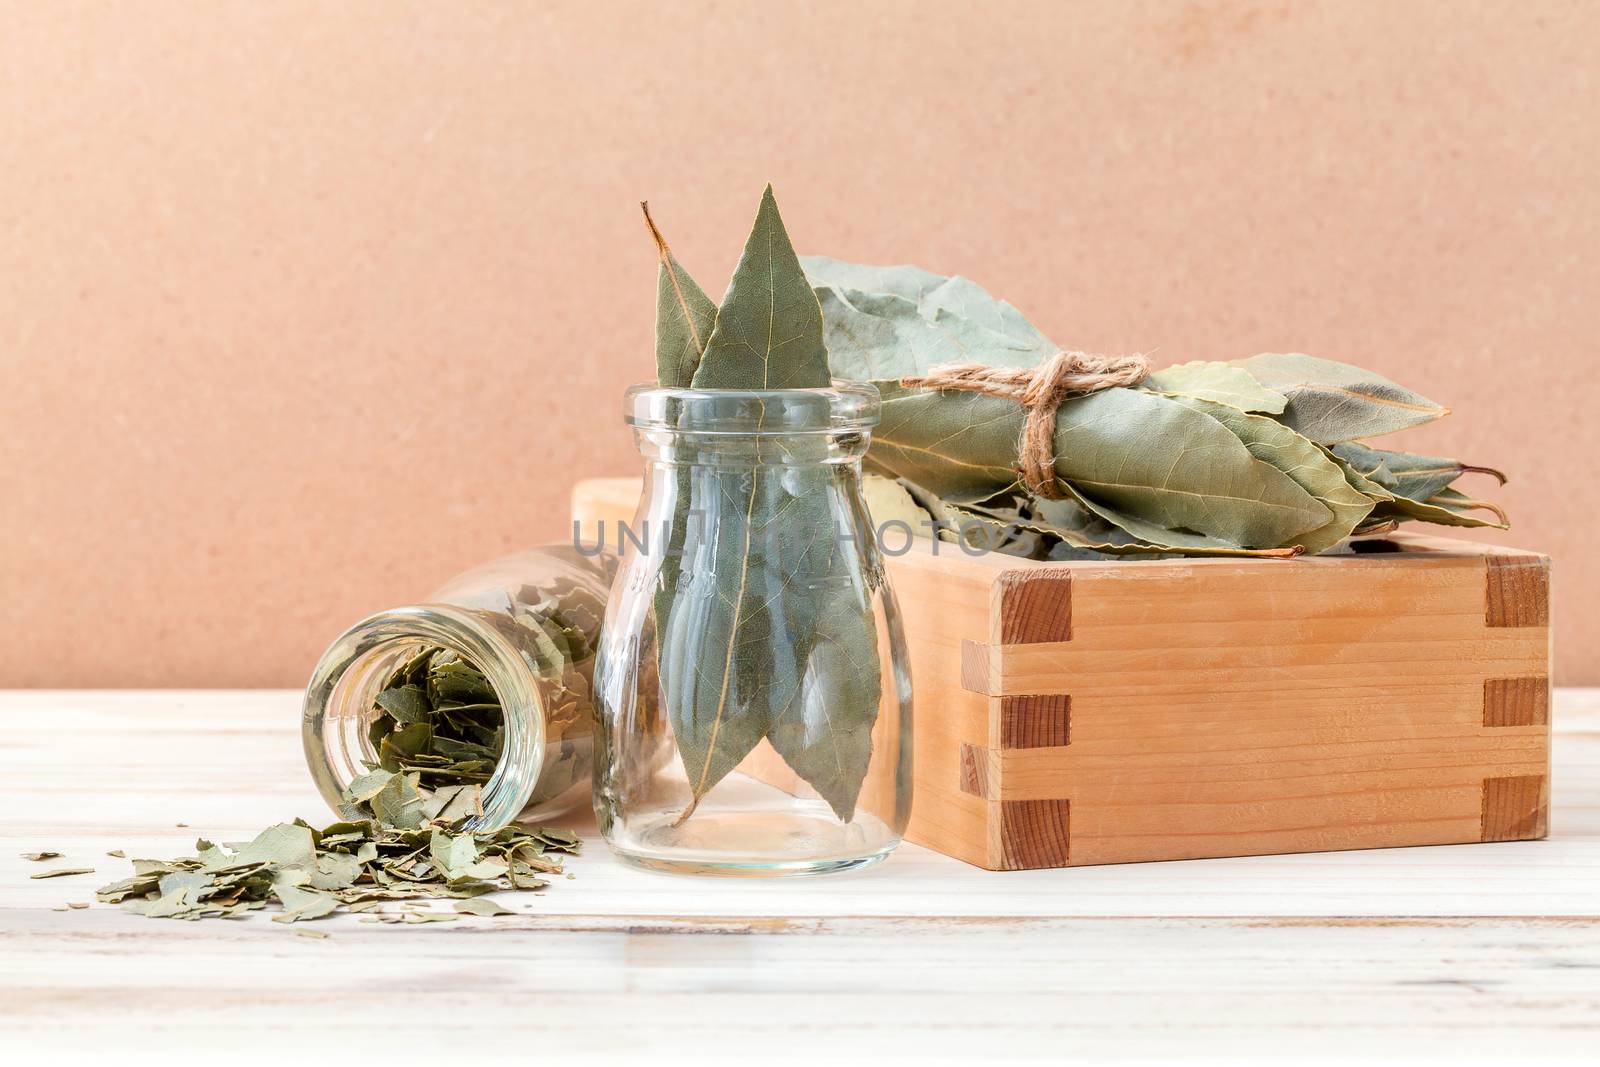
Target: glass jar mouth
(842,407)
(347,679)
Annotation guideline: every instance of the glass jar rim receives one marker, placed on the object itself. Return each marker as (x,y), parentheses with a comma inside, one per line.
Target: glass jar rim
(333,740)
(843,406)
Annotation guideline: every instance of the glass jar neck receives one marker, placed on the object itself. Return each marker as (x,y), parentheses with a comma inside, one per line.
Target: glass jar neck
(357,667)
(688,448)
(753,427)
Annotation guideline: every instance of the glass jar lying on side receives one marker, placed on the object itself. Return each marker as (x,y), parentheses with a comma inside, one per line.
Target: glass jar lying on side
(486,686)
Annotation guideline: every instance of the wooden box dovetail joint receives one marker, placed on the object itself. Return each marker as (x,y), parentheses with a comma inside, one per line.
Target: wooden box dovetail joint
(1109,712)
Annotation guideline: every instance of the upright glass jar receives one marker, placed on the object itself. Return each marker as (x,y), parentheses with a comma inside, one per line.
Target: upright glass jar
(752,689)
(527,625)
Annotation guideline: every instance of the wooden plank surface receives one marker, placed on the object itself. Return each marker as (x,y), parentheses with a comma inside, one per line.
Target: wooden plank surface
(1464,952)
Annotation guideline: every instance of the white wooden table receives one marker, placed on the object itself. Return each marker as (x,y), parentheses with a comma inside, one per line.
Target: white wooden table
(1464,952)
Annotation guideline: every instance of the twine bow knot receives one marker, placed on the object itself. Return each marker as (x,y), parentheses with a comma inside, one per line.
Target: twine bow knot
(1040,391)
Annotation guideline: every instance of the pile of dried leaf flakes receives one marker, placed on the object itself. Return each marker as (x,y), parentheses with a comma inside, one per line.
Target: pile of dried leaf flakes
(358,865)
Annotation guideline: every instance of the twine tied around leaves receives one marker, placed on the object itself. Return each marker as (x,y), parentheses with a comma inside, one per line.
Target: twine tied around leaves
(1040,390)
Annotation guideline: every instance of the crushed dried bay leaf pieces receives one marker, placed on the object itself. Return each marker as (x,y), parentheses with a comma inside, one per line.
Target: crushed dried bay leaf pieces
(37,856)
(62,872)
(351,866)
(438,733)
(481,906)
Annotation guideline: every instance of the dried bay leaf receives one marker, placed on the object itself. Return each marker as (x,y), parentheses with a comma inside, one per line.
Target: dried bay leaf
(335,870)
(1457,501)
(929,294)
(448,749)
(685,316)
(453,680)
(181,892)
(889,501)
(301,904)
(399,803)
(1036,528)
(1440,510)
(824,731)
(62,872)
(1220,383)
(881,337)
(1179,467)
(367,786)
(553,840)
(1333,402)
(1124,534)
(726,662)
(404,745)
(959,446)
(908,283)
(481,906)
(989,529)
(964,300)
(1392,506)
(768,332)
(285,845)
(38,856)
(1407,474)
(454,805)
(452,852)
(406,704)
(1302,461)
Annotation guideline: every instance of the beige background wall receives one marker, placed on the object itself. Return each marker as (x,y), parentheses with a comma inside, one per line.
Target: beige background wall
(304,307)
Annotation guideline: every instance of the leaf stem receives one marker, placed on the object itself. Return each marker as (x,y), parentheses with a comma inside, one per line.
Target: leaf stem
(1473,505)
(1469,468)
(669,264)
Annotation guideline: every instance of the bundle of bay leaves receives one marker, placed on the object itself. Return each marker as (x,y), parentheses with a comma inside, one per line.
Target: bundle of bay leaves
(1257,456)
(764,623)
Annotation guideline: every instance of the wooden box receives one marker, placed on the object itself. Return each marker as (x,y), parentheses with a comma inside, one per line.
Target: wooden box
(1109,712)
